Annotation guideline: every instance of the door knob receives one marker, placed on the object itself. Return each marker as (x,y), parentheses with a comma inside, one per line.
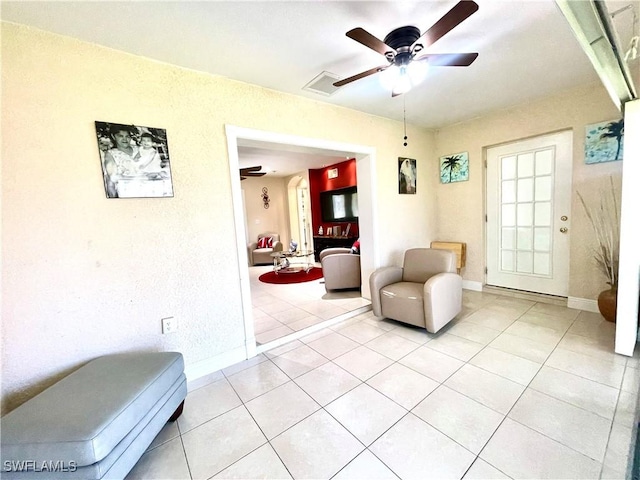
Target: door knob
(564,218)
(564,230)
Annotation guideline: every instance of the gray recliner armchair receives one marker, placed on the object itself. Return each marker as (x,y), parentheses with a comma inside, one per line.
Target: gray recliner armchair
(262,256)
(340,268)
(426,291)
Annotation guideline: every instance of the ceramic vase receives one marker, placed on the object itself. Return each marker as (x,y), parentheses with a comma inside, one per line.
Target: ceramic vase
(607,302)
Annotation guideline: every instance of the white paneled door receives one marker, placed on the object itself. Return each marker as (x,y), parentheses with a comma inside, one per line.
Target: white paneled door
(528,208)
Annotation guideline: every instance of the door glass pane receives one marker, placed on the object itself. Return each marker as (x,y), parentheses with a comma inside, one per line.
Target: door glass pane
(525,165)
(524,262)
(508,168)
(541,263)
(507,262)
(509,191)
(525,190)
(543,188)
(509,238)
(509,215)
(524,239)
(525,214)
(542,239)
(544,162)
(543,214)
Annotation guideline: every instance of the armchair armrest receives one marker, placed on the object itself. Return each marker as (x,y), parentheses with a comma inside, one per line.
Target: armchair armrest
(442,299)
(379,279)
(341,270)
(333,251)
(252,246)
(277,247)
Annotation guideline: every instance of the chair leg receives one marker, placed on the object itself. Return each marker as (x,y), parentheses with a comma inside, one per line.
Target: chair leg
(177,413)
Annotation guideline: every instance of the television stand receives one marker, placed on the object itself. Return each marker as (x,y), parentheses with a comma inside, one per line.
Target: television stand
(322,242)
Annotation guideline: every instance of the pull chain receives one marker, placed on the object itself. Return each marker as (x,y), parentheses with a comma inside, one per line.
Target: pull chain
(404,117)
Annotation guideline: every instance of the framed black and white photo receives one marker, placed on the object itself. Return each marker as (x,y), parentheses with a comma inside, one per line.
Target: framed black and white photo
(135,161)
(406,175)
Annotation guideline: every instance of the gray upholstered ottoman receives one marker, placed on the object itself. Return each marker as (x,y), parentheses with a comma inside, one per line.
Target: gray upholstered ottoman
(97,422)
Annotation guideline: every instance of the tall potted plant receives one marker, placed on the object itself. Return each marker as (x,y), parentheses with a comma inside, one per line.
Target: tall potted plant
(605,223)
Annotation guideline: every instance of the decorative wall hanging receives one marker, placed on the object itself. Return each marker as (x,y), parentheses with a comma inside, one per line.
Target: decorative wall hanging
(135,160)
(265,197)
(454,168)
(604,142)
(407,175)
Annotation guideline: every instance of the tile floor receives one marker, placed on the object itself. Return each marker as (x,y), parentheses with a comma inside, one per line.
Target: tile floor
(280,310)
(510,389)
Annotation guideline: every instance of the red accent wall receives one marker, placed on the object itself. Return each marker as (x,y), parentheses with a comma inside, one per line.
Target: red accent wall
(320,182)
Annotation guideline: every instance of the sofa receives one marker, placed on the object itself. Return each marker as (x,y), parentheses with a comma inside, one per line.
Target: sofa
(340,268)
(261,255)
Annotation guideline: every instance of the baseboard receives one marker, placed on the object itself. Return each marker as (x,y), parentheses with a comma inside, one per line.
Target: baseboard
(206,371)
(471,285)
(583,304)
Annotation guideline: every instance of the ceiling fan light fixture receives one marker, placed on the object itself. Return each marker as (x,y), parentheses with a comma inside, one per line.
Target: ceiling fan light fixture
(417,72)
(389,77)
(403,83)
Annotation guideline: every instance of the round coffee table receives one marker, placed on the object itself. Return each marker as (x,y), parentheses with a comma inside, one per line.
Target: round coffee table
(283,261)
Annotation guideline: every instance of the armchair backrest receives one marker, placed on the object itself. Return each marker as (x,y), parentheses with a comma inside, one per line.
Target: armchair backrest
(420,264)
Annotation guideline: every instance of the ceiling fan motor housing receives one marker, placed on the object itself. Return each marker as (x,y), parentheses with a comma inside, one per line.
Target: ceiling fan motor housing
(401,40)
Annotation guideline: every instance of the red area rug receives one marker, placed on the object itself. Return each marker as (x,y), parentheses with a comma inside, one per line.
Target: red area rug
(298,277)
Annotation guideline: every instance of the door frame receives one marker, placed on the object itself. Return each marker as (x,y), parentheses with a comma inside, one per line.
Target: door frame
(485,199)
(368,225)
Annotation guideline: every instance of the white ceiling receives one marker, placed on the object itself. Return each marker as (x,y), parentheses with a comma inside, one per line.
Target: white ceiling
(526,48)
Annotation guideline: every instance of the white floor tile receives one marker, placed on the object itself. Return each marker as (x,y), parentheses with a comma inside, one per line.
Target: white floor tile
(215,445)
(366,466)
(207,402)
(432,454)
(588,367)
(481,470)
(466,421)
(362,332)
(363,362)
(455,346)
(581,392)
(299,361)
(167,462)
(327,382)
(403,385)
(334,345)
(574,427)
(507,365)
(537,333)
(523,347)
(619,452)
(365,412)
(392,346)
(557,323)
(489,389)
(521,452)
(317,447)
(281,408)
(257,380)
(492,319)
(262,463)
(475,333)
(431,363)
(168,432)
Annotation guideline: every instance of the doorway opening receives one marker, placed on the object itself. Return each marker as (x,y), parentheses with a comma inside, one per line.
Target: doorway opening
(365,167)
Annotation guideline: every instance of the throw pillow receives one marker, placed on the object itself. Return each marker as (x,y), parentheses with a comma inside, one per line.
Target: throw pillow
(356,247)
(262,242)
(270,242)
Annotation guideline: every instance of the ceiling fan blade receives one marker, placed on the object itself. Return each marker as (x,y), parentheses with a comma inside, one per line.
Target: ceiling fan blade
(365,38)
(254,174)
(448,59)
(243,178)
(251,169)
(360,75)
(450,20)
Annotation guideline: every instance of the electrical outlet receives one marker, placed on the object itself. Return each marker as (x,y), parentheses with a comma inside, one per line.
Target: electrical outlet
(169,325)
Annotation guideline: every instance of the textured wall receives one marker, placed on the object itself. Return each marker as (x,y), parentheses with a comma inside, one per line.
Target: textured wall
(460,206)
(272,219)
(83,275)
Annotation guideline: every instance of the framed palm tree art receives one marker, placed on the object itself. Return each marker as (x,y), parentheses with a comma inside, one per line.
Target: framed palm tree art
(454,168)
(604,142)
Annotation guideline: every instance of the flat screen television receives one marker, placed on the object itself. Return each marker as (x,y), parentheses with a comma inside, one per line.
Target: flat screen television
(339,205)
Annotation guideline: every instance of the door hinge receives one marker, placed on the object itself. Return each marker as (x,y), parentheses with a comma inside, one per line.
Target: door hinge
(486,218)
(486,270)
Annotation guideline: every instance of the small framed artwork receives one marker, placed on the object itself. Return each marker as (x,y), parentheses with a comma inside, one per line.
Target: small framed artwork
(454,168)
(604,142)
(135,161)
(407,179)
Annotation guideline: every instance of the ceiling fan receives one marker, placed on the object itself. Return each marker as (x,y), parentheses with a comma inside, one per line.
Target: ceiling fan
(402,45)
(251,172)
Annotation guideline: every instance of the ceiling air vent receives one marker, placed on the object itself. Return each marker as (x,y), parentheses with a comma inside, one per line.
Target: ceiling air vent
(323,84)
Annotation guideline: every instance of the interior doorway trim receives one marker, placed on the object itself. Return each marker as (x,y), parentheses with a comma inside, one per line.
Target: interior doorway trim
(366,173)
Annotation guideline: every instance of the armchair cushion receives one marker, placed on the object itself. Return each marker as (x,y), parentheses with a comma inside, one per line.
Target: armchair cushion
(426,292)
(259,253)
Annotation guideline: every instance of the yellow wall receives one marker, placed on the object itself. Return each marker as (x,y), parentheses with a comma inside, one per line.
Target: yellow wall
(272,219)
(83,275)
(460,206)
